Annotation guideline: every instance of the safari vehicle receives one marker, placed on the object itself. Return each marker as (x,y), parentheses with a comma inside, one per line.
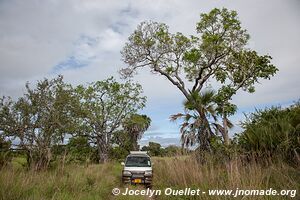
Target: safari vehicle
(137,169)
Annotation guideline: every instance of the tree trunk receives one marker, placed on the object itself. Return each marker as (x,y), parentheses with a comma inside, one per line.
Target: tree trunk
(135,144)
(103,149)
(103,156)
(225,133)
(42,159)
(29,159)
(204,134)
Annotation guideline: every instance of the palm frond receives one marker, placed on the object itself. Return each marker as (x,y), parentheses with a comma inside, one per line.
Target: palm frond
(218,128)
(229,123)
(176,116)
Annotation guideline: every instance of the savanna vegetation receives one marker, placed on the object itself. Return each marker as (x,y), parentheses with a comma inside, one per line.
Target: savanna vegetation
(60,141)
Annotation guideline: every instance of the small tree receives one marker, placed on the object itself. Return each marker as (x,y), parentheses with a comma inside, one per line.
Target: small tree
(154,149)
(39,119)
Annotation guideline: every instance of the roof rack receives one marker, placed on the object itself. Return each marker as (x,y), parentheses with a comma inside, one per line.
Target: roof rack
(138,152)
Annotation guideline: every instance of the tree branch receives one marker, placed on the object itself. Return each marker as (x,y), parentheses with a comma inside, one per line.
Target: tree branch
(177,84)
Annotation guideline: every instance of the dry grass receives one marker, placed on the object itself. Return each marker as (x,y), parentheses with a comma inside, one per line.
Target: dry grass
(74,182)
(181,173)
(97,181)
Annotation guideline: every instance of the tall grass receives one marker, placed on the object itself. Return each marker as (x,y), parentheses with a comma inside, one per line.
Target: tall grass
(78,182)
(74,182)
(187,172)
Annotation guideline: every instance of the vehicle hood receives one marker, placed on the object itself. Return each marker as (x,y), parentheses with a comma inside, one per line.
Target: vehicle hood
(138,169)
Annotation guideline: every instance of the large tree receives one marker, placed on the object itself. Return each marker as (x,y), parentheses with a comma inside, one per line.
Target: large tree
(219,52)
(38,120)
(104,107)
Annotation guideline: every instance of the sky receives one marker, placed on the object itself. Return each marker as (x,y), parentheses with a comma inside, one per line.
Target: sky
(82,40)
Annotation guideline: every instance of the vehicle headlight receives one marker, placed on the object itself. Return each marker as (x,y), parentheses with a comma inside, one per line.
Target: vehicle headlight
(148,173)
(126,173)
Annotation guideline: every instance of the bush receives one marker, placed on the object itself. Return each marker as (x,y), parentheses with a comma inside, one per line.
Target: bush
(273,132)
(173,150)
(79,150)
(154,149)
(118,153)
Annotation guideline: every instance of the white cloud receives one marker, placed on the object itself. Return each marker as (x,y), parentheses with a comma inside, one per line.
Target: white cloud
(36,36)
(163,141)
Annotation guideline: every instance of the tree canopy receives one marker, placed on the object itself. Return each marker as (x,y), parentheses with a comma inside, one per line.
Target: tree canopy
(104,105)
(135,125)
(39,119)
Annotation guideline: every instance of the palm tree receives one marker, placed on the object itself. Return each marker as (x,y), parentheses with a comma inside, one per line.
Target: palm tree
(136,125)
(196,127)
(200,119)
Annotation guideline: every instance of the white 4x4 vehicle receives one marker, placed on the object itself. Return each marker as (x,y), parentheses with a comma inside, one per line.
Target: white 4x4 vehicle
(137,168)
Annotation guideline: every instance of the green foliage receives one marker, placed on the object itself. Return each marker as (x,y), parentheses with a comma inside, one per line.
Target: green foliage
(118,153)
(58,152)
(39,119)
(79,150)
(46,113)
(135,126)
(195,124)
(127,139)
(154,149)
(104,106)
(123,141)
(172,150)
(273,132)
(199,119)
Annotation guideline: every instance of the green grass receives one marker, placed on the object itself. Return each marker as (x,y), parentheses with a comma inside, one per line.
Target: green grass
(74,182)
(95,181)
(18,162)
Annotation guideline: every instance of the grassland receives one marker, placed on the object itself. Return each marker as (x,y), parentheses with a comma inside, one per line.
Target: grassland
(96,181)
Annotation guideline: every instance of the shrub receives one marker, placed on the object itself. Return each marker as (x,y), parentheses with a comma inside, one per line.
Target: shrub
(79,150)
(118,153)
(273,132)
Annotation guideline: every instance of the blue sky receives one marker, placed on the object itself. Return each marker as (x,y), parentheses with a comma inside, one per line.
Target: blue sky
(82,40)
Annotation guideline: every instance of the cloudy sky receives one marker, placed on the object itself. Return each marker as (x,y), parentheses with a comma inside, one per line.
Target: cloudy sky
(82,39)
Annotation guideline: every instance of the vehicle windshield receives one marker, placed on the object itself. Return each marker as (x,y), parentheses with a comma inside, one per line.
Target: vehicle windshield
(136,161)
